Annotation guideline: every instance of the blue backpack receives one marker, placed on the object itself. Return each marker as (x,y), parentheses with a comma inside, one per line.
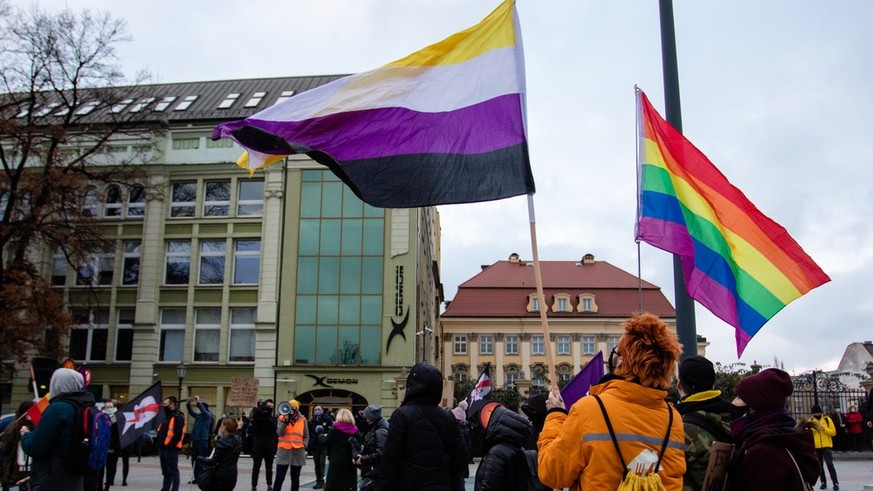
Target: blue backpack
(92,430)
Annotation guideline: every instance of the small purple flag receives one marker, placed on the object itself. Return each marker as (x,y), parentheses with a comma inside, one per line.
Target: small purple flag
(578,386)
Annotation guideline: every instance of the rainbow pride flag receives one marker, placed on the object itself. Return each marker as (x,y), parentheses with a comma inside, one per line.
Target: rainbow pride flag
(443,125)
(738,263)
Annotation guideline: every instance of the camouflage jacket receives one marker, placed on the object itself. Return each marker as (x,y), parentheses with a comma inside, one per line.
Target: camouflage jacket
(717,413)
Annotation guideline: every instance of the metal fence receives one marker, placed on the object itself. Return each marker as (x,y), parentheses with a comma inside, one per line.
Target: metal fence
(801,401)
(835,398)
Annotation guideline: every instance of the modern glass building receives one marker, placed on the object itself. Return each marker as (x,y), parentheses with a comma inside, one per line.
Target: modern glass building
(284,278)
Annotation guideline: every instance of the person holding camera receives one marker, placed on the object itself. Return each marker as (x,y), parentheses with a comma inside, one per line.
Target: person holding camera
(264,440)
(319,424)
(293,437)
(222,464)
(200,433)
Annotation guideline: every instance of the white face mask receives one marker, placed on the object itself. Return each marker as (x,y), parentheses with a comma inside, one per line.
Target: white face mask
(110,410)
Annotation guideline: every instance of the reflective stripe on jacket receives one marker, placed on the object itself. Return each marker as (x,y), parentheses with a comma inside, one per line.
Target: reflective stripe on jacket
(293,436)
(576,450)
(171,433)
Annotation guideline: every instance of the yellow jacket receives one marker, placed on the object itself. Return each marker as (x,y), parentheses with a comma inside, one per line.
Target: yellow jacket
(824,437)
(576,450)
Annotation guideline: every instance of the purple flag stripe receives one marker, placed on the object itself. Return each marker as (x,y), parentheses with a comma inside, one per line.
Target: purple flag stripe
(669,236)
(674,237)
(385,132)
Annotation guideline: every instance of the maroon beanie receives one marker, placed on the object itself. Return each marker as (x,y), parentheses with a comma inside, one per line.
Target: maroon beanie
(768,389)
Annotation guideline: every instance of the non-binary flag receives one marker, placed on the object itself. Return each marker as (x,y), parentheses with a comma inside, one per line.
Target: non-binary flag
(141,414)
(738,263)
(443,125)
(581,383)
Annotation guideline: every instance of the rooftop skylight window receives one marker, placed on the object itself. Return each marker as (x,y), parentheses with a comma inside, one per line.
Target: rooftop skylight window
(186,103)
(165,103)
(139,106)
(256,99)
(87,107)
(228,101)
(47,109)
(286,94)
(119,106)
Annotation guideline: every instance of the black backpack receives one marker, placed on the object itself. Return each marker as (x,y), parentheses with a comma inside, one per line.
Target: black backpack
(527,478)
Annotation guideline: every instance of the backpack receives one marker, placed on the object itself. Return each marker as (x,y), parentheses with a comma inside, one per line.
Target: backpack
(702,421)
(633,481)
(720,450)
(92,430)
(526,471)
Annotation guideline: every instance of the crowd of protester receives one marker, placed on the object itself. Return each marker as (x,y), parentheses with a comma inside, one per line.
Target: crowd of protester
(623,435)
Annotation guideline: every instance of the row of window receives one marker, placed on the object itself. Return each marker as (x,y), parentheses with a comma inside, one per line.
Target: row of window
(220,199)
(537,344)
(213,258)
(562,303)
(89,337)
(512,373)
(98,269)
(115,204)
(217,198)
(153,104)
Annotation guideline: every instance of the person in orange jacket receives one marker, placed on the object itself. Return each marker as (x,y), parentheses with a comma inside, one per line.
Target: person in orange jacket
(293,435)
(577,450)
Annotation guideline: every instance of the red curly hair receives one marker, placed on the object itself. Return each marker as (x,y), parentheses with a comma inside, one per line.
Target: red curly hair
(649,352)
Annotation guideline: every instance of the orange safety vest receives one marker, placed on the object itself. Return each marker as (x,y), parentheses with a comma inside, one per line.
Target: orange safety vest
(171,433)
(293,436)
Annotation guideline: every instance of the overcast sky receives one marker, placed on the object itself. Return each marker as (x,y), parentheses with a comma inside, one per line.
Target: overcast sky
(776,93)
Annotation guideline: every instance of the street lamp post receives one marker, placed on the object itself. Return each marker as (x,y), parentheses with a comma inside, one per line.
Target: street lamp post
(423,333)
(181,369)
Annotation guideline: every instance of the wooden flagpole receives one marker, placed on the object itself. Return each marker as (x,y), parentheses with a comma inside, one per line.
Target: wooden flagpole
(538,278)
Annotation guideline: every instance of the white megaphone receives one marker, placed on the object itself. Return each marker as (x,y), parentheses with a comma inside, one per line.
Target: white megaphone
(284,408)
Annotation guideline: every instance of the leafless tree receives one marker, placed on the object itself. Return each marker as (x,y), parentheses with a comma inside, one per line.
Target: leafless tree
(61,84)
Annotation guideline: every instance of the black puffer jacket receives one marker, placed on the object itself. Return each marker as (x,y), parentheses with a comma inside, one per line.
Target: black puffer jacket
(226,457)
(424,449)
(506,434)
(263,430)
(374,449)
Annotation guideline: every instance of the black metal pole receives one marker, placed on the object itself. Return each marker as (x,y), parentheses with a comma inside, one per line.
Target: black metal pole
(686,325)
(179,398)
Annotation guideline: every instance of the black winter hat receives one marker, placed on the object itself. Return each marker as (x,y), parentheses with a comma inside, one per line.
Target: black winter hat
(697,374)
(816,409)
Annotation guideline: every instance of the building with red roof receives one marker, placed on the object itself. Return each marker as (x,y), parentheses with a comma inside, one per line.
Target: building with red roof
(495,318)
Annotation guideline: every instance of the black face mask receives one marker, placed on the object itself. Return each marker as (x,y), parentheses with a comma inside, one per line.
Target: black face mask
(739,411)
